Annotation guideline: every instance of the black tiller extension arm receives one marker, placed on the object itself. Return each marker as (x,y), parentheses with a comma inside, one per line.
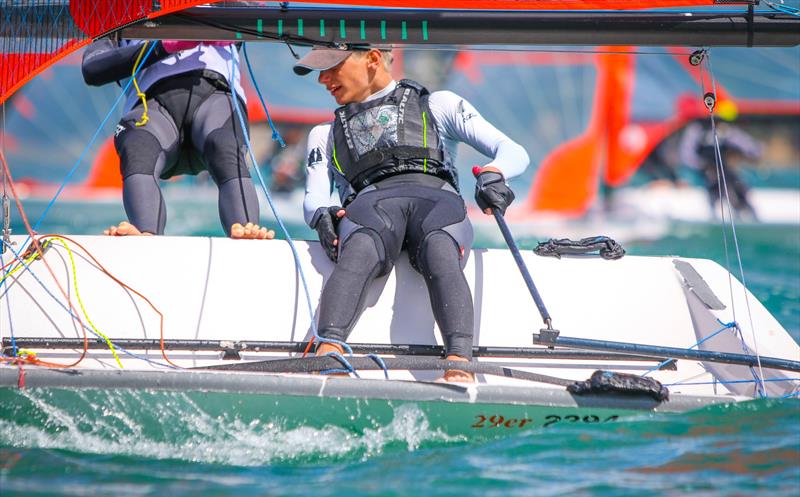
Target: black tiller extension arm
(523,269)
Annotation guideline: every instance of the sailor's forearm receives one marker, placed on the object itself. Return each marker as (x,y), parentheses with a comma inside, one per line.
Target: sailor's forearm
(510,159)
(105,62)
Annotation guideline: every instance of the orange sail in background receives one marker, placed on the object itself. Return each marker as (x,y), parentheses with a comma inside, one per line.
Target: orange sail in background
(568,180)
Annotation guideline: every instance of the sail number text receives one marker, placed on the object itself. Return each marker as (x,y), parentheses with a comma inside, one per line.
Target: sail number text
(499,421)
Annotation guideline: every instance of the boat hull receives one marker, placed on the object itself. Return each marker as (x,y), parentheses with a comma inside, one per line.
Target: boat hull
(152,400)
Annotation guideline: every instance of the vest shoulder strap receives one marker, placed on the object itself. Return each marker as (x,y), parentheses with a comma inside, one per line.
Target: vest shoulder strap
(410,83)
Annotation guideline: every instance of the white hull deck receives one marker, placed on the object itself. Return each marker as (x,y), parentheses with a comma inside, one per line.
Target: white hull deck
(218,290)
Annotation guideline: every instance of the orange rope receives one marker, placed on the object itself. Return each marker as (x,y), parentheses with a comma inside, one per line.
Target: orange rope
(308,347)
(38,247)
(124,285)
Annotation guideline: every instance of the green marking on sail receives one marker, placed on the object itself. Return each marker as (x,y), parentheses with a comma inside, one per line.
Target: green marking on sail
(322,27)
(260,26)
(280,27)
(404,34)
(342,32)
(363,29)
(299,27)
(424,140)
(425,30)
(383,30)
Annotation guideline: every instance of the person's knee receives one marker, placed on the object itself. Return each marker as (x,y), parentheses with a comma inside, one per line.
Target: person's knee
(363,250)
(439,254)
(225,154)
(138,151)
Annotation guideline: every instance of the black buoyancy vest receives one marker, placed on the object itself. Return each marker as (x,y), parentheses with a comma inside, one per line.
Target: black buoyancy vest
(387,136)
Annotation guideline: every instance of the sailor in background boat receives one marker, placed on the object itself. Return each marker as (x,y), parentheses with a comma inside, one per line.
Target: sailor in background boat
(180,119)
(698,151)
(390,154)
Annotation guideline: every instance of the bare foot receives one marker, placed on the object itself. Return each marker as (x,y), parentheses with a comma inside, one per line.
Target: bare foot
(125,229)
(251,231)
(457,375)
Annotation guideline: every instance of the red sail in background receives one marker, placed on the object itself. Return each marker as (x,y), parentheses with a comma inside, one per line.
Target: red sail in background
(568,179)
(38,33)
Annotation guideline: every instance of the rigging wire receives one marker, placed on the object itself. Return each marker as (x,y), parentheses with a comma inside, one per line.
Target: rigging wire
(80,300)
(724,201)
(725,326)
(290,241)
(727,382)
(6,237)
(37,246)
(86,328)
(4,286)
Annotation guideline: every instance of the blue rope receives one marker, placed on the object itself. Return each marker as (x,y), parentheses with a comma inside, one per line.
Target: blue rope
(790,395)
(348,368)
(85,150)
(725,326)
(10,321)
(278,218)
(380,363)
(276,136)
(784,9)
(135,356)
(729,382)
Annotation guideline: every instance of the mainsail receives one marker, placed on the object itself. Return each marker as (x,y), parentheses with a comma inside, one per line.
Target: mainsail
(36,33)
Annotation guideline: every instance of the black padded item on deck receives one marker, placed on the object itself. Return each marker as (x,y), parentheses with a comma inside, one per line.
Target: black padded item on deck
(623,383)
(605,246)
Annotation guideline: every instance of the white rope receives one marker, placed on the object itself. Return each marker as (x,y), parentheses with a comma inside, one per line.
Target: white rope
(723,188)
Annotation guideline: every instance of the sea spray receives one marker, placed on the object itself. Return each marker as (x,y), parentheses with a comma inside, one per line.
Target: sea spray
(171,425)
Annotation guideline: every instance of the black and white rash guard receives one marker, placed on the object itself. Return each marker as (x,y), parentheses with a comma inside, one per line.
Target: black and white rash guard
(106,61)
(456,121)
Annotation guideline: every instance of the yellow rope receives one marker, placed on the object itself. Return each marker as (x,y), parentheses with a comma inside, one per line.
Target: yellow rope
(424,141)
(24,263)
(140,93)
(83,308)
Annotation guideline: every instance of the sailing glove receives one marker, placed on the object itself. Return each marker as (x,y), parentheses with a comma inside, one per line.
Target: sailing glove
(492,191)
(325,221)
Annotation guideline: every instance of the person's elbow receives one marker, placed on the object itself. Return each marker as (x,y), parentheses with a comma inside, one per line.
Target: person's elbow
(525,159)
(520,160)
(90,76)
(94,71)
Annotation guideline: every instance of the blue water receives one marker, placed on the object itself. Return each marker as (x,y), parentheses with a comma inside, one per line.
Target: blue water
(743,450)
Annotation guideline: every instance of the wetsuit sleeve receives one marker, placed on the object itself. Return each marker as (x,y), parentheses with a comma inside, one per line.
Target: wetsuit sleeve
(105,62)
(319,179)
(460,121)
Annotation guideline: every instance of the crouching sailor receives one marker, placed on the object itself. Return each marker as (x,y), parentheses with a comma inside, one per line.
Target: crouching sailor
(180,119)
(390,152)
